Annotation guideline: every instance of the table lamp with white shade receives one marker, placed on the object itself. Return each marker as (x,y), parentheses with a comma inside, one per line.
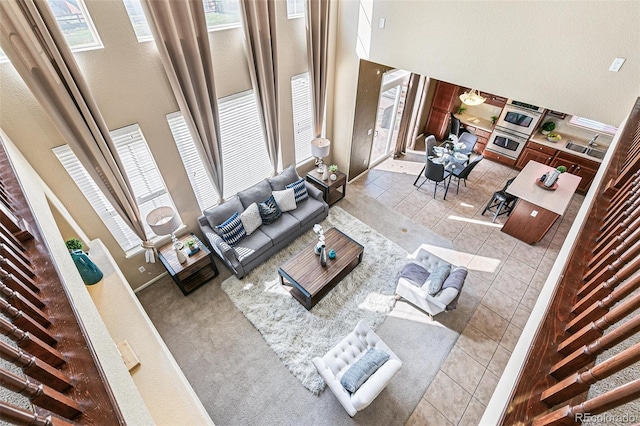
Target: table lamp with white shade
(165,221)
(320,149)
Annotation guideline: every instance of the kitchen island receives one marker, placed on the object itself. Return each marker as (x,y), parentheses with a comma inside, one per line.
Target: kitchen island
(537,208)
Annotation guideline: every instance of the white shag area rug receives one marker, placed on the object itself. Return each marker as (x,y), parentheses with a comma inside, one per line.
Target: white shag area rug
(297,335)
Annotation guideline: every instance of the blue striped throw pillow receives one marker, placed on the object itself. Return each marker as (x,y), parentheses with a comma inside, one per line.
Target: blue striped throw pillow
(299,189)
(269,210)
(231,230)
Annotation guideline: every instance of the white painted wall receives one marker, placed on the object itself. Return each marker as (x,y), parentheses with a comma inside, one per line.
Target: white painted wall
(555,54)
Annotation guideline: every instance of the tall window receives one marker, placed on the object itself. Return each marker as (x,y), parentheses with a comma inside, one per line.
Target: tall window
(302,116)
(244,151)
(138,20)
(596,126)
(219,14)
(75,23)
(142,171)
(200,182)
(112,220)
(295,8)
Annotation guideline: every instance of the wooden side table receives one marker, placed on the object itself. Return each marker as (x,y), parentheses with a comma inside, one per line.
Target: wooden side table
(197,270)
(332,190)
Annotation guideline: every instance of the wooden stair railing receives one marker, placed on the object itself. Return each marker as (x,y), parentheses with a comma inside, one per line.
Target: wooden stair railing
(62,377)
(597,290)
(20,416)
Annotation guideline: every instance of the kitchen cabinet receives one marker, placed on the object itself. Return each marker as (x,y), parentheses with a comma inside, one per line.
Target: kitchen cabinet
(494,100)
(536,152)
(499,158)
(577,166)
(483,138)
(445,101)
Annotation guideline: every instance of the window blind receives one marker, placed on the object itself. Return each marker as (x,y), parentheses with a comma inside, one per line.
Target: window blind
(295,8)
(193,164)
(141,169)
(112,220)
(302,116)
(244,152)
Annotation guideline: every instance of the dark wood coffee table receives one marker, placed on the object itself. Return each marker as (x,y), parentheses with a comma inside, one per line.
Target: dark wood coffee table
(307,280)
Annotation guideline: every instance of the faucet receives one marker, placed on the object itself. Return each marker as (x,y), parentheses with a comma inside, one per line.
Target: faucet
(592,142)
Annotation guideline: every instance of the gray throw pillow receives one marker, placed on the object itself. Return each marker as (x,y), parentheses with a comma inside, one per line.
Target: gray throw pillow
(359,372)
(280,182)
(454,282)
(415,274)
(255,194)
(220,213)
(436,279)
(251,219)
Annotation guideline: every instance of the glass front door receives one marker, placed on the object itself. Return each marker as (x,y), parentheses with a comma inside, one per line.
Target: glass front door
(393,92)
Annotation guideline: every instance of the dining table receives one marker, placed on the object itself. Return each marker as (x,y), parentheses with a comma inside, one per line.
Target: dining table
(450,158)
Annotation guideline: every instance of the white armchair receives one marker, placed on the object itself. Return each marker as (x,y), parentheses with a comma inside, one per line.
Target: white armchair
(337,361)
(442,301)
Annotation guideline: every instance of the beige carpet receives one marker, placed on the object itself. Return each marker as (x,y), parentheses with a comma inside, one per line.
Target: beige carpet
(297,335)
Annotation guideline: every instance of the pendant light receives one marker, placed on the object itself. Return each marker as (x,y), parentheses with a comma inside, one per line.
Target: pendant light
(472,97)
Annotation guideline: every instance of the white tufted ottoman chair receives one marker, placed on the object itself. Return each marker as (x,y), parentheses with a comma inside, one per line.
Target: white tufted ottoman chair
(337,361)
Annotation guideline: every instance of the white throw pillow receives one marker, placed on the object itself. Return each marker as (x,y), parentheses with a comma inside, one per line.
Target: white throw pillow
(285,199)
(250,218)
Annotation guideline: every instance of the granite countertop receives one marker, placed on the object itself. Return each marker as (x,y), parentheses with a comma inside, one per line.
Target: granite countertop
(541,139)
(524,186)
(479,123)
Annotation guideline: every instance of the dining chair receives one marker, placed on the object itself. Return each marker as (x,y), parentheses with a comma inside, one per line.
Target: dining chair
(469,140)
(435,172)
(463,173)
(429,142)
(454,125)
(501,200)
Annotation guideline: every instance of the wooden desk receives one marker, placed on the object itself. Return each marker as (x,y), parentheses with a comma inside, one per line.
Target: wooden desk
(537,208)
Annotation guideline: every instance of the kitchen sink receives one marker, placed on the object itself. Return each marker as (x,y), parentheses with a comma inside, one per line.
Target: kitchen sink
(591,152)
(577,147)
(595,153)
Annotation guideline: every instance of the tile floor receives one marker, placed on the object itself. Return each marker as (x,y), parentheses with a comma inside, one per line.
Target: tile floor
(507,276)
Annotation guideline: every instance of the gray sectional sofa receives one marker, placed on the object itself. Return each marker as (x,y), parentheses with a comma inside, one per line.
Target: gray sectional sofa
(267,239)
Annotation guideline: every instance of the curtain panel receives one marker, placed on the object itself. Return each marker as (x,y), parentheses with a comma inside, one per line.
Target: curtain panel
(180,32)
(405,132)
(31,38)
(317,25)
(259,23)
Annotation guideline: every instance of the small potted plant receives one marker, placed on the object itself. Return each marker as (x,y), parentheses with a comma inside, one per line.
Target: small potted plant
(561,169)
(192,246)
(494,119)
(333,169)
(461,109)
(73,244)
(548,127)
